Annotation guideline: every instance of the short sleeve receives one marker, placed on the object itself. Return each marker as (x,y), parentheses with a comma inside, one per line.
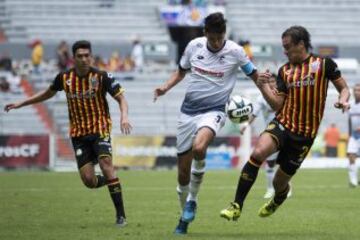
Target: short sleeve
(280,82)
(57,84)
(112,86)
(185,58)
(332,71)
(244,62)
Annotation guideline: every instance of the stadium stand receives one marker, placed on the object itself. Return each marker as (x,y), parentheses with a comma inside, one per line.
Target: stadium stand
(14,123)
(51,20)
(329,21)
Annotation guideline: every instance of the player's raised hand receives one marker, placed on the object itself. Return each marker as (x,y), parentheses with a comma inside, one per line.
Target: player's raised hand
(10,106)
(125,126)
(159,92)
(344,105)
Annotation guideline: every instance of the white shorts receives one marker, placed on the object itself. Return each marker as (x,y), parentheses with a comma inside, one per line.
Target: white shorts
(353,145)
(188,126)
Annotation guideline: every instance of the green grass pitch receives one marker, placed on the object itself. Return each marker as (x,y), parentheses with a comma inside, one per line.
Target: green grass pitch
(48,205)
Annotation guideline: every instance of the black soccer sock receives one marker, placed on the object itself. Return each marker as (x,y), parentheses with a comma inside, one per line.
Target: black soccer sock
(246,180)
(101,181)
(116,196)
(280,197)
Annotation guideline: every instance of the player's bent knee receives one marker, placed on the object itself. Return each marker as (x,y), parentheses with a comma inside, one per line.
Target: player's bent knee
(258,155)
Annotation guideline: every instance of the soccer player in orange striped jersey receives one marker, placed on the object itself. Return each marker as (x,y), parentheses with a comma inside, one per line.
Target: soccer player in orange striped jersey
(299,102)
(90,123)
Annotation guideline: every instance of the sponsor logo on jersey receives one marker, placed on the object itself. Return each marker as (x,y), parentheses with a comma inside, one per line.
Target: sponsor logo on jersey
(208,72)
(200,57)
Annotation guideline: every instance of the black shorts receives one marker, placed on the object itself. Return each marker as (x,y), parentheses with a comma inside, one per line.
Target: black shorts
(293,148)
(90,148)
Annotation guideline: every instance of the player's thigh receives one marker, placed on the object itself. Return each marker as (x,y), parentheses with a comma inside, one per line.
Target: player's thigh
(265,147)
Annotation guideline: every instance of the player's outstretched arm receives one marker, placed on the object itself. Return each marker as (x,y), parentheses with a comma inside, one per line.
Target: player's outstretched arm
(344,94)
(274,99)
(38,97)
(125,125)
(175,78)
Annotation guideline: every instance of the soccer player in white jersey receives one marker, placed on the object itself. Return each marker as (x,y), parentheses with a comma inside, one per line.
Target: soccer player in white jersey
(354,140)
(261,106)
(212,63)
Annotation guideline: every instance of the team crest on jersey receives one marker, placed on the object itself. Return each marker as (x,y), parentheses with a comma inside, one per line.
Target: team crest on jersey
(199,45)
(68,82)
(200,57)
(221,59)
(314,67)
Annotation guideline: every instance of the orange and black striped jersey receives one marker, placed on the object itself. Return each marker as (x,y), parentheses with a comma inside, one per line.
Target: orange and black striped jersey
(305,86)
(86,99)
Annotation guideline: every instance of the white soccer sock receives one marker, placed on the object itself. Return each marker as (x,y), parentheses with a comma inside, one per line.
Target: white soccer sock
(353,178)
(182,192)
(270,173)
(197,174)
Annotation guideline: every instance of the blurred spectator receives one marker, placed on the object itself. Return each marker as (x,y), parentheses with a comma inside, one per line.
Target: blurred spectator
(115,62)
(317,149)
(247,48)
(37,55)
(129,64)
(191,15)
(2,36)
(99,63)
(64,59)
(4,84)
(332,138)
(137,54)
(6,63)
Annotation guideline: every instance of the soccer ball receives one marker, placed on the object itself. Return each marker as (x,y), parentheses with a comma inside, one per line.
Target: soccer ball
(239,109)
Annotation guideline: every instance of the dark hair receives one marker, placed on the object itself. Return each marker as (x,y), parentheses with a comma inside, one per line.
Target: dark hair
(274,75)
(215,23)
(81,44)
(297,34)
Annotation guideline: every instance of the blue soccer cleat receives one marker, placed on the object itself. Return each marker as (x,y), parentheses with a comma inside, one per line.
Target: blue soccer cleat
(189,210)
(181,228)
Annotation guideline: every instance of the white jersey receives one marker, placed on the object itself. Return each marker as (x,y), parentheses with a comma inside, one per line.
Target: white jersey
(262,106)
(213,75)
(354,120)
